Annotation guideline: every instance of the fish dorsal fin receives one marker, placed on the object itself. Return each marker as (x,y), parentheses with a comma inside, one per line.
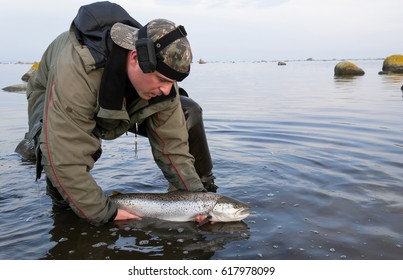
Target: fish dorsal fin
(116,193)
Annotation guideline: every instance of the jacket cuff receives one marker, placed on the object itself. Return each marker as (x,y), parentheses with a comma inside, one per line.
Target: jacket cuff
(112,218)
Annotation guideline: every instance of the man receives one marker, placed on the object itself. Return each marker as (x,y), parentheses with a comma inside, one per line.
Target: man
(106,76)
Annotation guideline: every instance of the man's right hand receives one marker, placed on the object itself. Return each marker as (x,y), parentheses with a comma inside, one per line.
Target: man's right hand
(124,215)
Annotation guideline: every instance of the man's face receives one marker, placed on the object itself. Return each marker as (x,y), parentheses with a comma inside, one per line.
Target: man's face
(147,85)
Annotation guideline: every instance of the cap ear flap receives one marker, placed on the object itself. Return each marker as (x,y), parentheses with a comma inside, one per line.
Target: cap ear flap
(146,55)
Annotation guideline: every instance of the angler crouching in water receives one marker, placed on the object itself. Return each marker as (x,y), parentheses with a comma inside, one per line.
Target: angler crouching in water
(108,75)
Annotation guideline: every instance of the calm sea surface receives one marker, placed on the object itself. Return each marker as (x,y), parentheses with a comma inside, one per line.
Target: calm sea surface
(319,160)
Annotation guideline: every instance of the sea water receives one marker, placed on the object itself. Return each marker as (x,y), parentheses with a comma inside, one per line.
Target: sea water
(318,159)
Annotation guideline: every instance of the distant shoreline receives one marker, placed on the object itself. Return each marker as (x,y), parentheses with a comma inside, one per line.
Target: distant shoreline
(18,62)
(248,61)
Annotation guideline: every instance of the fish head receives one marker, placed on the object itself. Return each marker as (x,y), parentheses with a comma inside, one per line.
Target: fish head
(229,210)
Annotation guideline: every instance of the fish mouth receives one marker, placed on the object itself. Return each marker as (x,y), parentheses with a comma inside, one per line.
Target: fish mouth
(241,214)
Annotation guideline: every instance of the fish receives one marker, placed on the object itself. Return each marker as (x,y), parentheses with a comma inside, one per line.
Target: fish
(182,206)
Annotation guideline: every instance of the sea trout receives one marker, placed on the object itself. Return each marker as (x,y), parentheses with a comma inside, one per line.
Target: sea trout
(182,206)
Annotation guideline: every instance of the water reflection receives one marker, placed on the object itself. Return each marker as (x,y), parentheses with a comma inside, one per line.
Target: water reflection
(345,79)
(392,79)
(350,81)
(146,239)
(392,82)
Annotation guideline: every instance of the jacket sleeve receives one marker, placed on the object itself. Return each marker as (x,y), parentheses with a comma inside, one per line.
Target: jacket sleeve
(67,142)
(36,86)
(168,138)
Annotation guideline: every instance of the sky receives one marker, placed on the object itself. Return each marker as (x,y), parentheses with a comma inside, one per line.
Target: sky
(228,30)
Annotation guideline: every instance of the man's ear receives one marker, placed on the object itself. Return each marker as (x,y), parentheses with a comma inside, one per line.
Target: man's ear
(133,56)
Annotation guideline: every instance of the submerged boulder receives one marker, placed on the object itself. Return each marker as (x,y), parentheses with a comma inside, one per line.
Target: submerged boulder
(393,64)
(23,87)
(20,88)
(347,68)
(31,71)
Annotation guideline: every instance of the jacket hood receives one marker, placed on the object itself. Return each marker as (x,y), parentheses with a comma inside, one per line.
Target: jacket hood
(93,24)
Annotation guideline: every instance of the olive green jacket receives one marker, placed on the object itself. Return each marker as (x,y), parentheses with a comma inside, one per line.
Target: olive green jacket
(66,85)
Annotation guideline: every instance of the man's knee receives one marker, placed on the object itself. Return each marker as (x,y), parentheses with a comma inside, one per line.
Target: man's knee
(193,112)
(54,194)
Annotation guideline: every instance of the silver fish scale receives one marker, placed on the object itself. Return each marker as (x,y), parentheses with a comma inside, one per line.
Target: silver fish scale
(174,206)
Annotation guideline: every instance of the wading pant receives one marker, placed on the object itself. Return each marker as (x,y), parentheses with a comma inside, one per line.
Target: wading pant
(198,145)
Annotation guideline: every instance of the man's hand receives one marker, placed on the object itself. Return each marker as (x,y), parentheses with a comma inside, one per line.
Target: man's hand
(200,218)
(203,219)
(124,215)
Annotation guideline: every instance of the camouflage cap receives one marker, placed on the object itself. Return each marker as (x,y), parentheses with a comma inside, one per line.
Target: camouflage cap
(177,55)
(124,35)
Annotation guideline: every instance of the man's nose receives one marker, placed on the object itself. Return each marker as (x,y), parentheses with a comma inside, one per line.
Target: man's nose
(166,89)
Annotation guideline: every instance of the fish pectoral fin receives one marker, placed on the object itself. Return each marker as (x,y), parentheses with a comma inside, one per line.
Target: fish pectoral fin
(205,221)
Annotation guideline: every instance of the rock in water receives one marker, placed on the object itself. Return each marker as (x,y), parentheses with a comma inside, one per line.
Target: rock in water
(347,68)
(393,64)
(20,88)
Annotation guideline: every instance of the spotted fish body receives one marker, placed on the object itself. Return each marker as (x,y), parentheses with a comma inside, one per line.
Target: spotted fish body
(182,206)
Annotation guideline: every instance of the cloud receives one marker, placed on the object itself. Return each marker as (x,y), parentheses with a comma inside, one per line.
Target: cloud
(225,4)
(229,30)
